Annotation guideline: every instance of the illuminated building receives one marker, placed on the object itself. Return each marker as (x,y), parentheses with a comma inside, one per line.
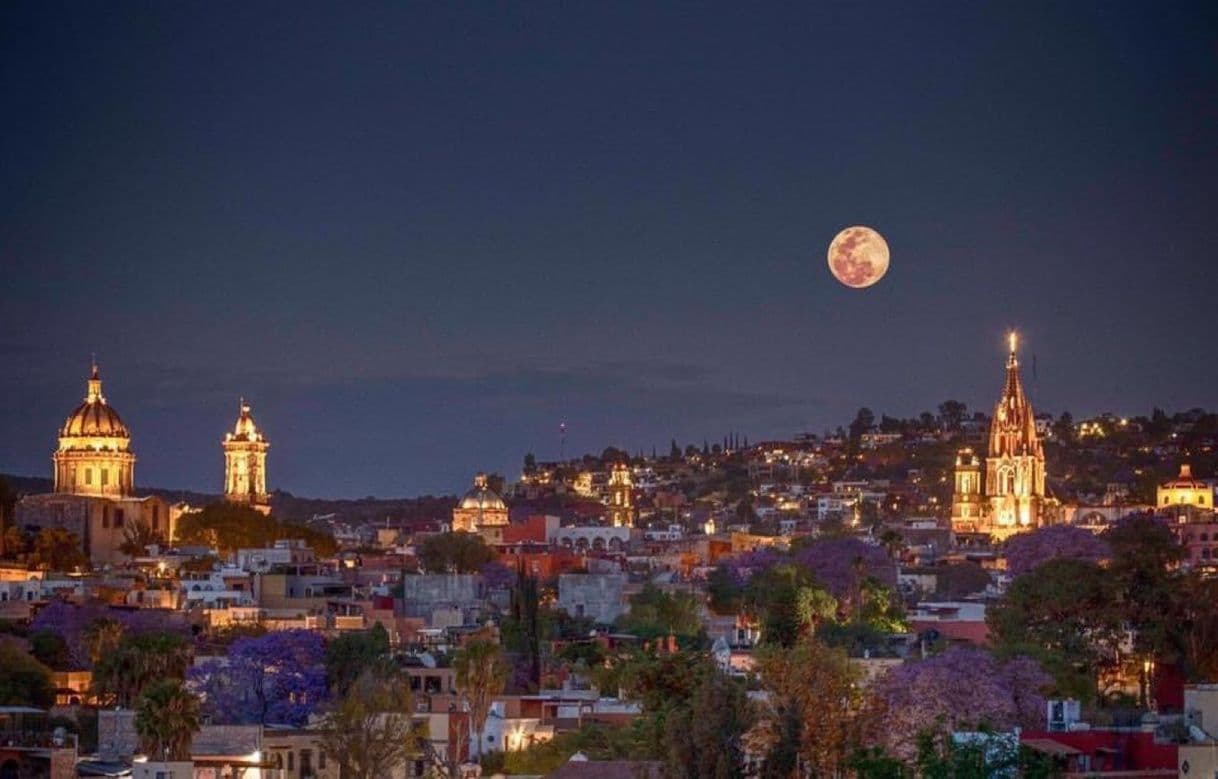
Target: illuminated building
(94,484)
(1014,478)
(966,497)
(1184,491)
(94,455)
(481,507)
(245,463)
(621,496)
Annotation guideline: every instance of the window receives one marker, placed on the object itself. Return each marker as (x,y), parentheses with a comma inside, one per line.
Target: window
(118,517)
(88,475)
(321,760)
(105,476)
(306,762)
(291,761)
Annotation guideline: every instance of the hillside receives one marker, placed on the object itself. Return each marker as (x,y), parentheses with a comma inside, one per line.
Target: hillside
(288,506)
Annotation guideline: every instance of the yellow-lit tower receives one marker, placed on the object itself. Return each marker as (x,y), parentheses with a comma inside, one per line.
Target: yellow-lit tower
(966,497)
(94,455)
(621,496)
(245,463)
(1015,462)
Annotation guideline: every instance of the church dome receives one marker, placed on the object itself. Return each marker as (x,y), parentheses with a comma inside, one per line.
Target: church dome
(482,497)
(245,429)
(94,417)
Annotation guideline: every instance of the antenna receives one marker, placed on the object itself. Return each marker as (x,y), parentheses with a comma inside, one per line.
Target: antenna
(562,442)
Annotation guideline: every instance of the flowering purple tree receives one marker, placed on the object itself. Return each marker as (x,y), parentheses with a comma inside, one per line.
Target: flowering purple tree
(961,689)
(1026,551)
(841,565)
(742,567)
(497,576)
(276,678)
(73,623)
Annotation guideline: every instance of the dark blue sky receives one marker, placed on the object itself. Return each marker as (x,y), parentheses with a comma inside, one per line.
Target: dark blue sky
(418,236)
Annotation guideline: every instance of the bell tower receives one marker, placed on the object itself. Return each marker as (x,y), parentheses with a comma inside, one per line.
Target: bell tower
(1015,462)
(245,463)
(966,496)
(621,496)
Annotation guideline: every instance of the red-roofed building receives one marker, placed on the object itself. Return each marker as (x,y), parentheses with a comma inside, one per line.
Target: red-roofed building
(1131,754)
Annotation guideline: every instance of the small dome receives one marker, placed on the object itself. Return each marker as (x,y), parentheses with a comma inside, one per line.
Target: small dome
(245,429)
(482,497)
(1185,481)
(94,417)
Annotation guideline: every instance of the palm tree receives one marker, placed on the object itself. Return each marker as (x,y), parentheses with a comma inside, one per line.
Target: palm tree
(166,720)
(138,661)
(893,542)
(481,675)
(137,537)
(102,637)
(814,606)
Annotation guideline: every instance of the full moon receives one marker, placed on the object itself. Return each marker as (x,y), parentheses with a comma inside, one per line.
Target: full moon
(858,257)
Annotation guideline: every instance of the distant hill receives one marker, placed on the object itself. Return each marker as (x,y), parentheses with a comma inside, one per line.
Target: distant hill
(288,506)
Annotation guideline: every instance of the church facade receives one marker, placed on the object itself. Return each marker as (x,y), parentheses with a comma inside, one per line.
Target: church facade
(1009,496)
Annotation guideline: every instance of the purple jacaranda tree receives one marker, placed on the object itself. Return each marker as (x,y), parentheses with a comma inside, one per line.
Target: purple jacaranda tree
(961,689)
(276,678)
(1026,551)
(744,566)
(841,564)
(73,622)
(497,576)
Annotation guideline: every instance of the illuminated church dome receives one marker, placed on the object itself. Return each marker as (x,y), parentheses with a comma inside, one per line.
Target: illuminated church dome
(94,456)
(481,507)
(482,497)
(94,417)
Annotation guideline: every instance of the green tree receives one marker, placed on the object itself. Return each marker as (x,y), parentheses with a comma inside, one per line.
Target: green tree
(56,549)
(101,637)
(370,731)
(1063,428)
(138,661)
(725,595)
(705,738)
(230,526)
(352,653)
(166,719)
(789,603)
(50,649)
(863,422)
(655,613)
(959,580)
(457,552)
(814,713)
(952,412)
(1145,554)
(814,607)
(481,673)
(1066,617)
(8,502)
(23,680)
(137,537)
(521,630)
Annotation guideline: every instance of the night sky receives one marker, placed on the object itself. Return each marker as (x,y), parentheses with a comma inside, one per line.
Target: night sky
(418,236)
